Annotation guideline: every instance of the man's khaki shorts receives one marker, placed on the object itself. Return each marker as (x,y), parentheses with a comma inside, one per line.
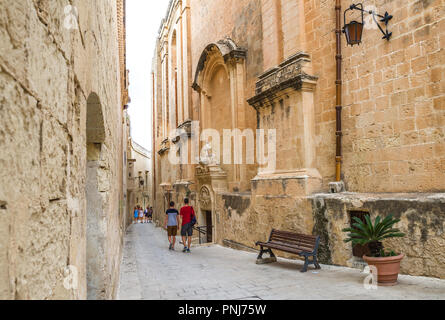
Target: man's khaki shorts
(172,231)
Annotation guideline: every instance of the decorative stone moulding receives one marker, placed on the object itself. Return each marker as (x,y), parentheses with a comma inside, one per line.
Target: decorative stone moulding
(293,73)
(183,183)
(213,171)
(229,51)
(212,174)
(165,146)
(289,86)
(205,198)
(166,187)
(187,127)
(202,170)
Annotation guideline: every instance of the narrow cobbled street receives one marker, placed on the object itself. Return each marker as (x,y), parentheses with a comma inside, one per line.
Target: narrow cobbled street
(150,272)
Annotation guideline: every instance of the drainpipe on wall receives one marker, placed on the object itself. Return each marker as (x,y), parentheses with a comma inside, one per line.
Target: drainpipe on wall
(338,185)
(338,82)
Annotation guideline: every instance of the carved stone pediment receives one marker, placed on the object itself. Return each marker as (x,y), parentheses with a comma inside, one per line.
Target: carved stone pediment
(227,48)
(289,74)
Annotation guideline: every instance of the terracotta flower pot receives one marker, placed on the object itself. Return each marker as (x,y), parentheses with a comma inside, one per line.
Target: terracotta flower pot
(388,269)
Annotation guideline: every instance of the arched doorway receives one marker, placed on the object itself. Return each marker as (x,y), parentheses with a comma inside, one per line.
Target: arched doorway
(218,110)
(95,227)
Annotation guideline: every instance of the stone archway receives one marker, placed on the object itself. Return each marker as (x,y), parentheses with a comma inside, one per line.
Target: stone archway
(95,226)
(220,82)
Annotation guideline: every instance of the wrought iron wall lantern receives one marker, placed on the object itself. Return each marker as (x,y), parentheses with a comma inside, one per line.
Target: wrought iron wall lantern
(354,29)
(141,180)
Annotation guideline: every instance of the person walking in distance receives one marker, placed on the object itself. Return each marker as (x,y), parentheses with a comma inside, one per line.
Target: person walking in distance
(141,215)
(136,214)
(150,214)
(172,223)
(146,215)
(188,219)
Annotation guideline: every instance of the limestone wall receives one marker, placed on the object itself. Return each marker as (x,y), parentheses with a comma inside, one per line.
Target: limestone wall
(239,20)
(393,117)
(47,74)
(273,204)
(422,220)
(246,219)
(139,194)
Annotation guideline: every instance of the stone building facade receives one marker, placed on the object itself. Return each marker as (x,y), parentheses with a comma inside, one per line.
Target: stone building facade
(63,88)
(271,64)
(139,176)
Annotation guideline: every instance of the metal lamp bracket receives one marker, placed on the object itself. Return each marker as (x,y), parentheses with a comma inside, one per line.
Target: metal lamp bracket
(385,19)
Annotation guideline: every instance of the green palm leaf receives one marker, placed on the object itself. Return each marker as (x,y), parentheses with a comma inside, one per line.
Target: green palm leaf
(364,232)
(369,224)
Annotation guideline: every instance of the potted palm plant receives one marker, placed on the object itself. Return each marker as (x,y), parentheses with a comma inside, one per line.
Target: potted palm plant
(366,233)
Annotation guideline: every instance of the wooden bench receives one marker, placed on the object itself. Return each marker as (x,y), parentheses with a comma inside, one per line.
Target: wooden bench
(300,244)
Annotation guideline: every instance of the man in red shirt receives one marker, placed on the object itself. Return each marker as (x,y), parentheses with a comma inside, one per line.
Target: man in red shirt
(187,214)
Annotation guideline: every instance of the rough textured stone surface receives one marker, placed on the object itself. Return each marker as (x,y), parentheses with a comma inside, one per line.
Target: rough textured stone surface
(422,220)
(47,74)
(392,120)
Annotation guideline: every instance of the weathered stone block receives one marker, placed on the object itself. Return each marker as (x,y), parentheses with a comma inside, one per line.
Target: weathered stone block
(54,159)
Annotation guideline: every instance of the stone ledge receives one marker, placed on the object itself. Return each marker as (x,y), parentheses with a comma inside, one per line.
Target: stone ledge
(351,196)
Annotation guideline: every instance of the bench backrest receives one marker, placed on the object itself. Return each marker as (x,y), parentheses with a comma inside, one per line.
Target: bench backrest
(304,242)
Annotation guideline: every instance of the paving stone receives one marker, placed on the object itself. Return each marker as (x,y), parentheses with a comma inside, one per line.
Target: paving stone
(217,273)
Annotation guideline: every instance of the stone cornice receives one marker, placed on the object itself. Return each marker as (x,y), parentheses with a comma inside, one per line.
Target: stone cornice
(139,149)
(290,74)
(228,50)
